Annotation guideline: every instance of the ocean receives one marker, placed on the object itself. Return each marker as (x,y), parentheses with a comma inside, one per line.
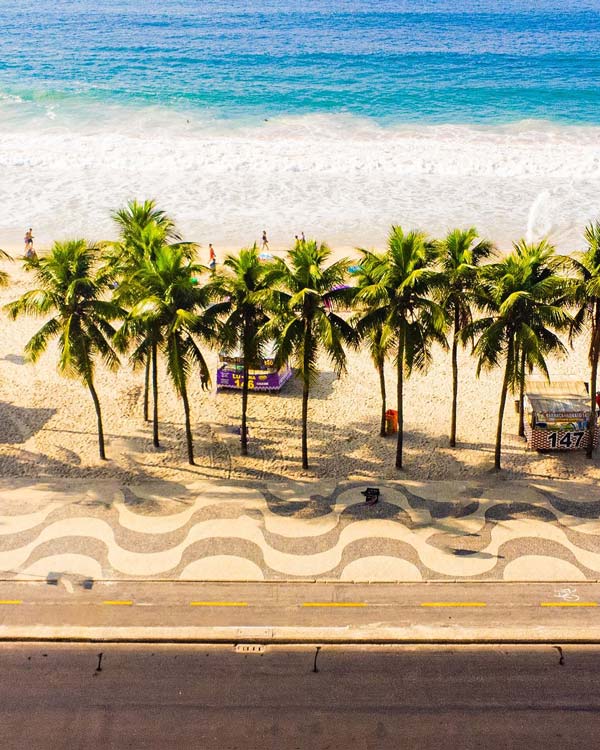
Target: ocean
(336,118)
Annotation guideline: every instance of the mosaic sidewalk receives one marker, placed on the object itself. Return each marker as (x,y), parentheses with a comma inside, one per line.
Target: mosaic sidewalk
(226,531)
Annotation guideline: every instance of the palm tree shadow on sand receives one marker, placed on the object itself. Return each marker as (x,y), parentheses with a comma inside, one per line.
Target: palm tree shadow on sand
(18,424)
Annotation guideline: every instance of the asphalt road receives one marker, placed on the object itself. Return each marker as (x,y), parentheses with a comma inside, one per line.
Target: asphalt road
(413,697)
(320,612)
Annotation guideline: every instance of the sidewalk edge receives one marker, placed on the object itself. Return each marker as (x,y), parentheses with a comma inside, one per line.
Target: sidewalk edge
(300,635)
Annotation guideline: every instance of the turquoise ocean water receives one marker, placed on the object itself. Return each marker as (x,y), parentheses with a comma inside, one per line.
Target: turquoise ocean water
(436,61)
(332,117)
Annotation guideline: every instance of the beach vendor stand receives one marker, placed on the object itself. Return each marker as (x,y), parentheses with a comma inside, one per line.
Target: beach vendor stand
(557,416)
(263,376)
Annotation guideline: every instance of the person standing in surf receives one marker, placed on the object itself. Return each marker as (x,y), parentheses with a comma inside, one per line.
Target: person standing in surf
(212,258)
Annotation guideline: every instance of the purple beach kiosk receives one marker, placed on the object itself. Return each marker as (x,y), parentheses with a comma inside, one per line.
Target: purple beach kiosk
(264,376)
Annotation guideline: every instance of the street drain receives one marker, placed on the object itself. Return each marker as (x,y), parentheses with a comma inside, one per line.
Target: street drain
(250,648)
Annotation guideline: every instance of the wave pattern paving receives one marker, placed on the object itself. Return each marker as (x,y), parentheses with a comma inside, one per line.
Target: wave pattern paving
(226,531)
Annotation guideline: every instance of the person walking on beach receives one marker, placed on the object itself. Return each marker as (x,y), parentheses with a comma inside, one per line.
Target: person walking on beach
(265,241)
(29,251)
(28,240)
(212,258)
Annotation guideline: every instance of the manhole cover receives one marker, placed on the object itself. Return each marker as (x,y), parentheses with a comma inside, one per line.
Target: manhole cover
(250,648)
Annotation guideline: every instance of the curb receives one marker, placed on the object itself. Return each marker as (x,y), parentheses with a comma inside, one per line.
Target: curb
(440,635)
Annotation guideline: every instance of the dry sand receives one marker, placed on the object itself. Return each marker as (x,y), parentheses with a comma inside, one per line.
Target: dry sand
(48,426)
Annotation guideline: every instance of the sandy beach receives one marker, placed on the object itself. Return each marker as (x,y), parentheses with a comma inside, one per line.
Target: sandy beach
(47,422)
(338,120)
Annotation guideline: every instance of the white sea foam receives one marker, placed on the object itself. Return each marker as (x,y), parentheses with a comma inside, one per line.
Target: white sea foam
(338,178)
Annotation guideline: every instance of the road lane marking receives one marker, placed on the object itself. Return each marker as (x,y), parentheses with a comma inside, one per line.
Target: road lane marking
(453,604)
(118,602)
(218,604)
(334,604)
(11,601)
(568,604)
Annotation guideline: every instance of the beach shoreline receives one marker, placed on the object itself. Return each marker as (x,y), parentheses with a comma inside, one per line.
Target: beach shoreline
(341,180)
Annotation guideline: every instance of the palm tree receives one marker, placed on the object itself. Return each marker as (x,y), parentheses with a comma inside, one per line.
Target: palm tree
(524,302)
(459,256)
(543,263)
(135,216)
(587,294)
(244,285)
(307,292)
(73,292)
(173,306)
(372,326)
(142,241)
(403,280)
(142,228)
(145,339)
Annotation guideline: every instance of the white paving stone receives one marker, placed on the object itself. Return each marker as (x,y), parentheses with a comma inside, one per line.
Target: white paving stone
(380,568)
(222,568)
(541,568)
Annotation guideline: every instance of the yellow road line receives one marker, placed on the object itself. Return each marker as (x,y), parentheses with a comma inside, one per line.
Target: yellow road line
(11,601)
(118,602)
(218,604)
(568,604)
(334,604)
(453,604)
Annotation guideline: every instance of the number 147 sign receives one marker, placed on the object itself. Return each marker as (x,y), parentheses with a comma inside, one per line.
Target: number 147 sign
(566,439)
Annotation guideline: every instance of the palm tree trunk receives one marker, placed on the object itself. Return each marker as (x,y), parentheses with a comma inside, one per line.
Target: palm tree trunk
(380,369)
(521,395)
(244,431)
(146,387)
(305,392)
(592,422)
(400,389)
(595,355)
(154,356)
(505,384)
(96,401)
(454,377)
(188,427)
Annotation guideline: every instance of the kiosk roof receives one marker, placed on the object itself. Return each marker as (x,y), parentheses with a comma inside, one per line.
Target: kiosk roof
(566,397)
